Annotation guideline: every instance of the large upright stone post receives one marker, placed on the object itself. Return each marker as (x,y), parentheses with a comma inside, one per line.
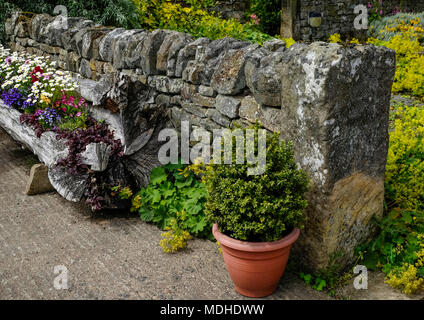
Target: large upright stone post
(335,109)
(288,16)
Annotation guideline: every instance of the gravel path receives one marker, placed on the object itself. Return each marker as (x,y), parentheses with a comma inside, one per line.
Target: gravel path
(107,257)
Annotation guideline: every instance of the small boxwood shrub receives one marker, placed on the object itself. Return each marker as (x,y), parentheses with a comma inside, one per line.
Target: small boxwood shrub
(257,208)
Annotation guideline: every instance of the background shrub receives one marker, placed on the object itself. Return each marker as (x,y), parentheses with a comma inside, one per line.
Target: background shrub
(118,13)
(192,16)
(269,13)
(405,161)
(405,36)
(388,27)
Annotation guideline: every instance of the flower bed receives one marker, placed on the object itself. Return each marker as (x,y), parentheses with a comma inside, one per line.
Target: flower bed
(40,108)
(44,95)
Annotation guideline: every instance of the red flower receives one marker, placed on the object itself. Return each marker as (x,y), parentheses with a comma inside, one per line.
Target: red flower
(33,73)
(38,69)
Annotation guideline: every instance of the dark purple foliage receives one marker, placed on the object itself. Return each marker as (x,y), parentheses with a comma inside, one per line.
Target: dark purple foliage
(78,140)
(32,121)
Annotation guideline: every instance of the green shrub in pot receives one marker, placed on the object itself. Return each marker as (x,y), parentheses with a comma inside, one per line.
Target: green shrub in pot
(258,208)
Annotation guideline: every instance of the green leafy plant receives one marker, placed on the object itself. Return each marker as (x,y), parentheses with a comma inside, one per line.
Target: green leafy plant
(328,278)
(172,190)
(405,160)
(124,193)
(316,282)
(257,207)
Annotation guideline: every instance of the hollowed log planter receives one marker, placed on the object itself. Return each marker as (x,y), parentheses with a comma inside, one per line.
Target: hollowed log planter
(255,267)
(49,150)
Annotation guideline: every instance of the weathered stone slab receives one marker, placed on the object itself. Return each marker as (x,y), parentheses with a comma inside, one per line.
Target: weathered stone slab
(262,77)
(107,44)
(270,118)
(274,45)
(188,54)
(149,51)
(335,108)
(228,106)
(74,26)
(176,47)
(38,181)
(229,77)
(124,53)
(10,23)
(91,42)
(165,84)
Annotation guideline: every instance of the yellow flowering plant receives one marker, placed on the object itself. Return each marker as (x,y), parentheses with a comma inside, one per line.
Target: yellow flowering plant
(191,16)
(399,247)
(405,160)
(176,237)
(335,38)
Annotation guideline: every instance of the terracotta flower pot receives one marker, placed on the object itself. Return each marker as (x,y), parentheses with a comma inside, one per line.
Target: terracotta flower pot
(255,267)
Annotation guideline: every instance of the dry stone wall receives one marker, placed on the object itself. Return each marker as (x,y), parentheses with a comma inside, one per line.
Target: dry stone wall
(338,16)
(331,101)
(232,8)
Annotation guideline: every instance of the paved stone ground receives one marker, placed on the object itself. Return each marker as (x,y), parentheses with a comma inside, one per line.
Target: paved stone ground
(108,257)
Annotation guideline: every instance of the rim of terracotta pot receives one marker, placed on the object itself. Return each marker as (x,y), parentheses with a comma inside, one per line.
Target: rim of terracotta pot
(255,246)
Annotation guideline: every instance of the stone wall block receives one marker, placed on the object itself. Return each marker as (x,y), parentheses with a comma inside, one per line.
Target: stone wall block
(270,118)
(74,26)
(107,44)
(10,23)
(229,77)
(176,47)
(228,106)
(263,79)
(335,108)
(123,50)
(149,52)
(91,41)
(188,54)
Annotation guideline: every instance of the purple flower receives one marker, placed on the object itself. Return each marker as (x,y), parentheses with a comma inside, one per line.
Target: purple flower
(12,98)
(8,61)
(48,117)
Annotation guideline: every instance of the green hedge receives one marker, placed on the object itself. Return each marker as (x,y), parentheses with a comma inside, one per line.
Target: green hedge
(118,13)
